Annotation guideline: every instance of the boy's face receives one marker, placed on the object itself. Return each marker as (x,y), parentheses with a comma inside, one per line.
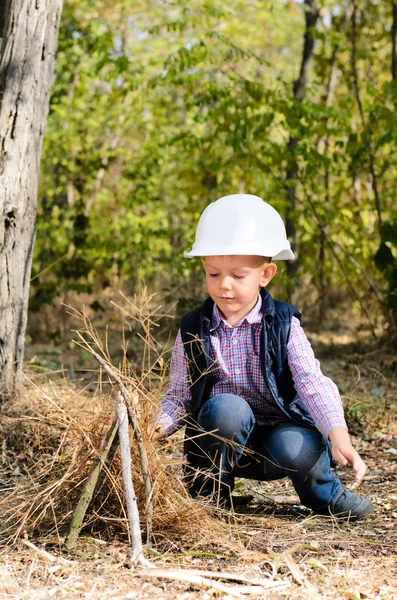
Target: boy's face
(233,283)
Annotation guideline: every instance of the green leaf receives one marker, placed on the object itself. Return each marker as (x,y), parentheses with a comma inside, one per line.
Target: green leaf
(122,63)
(388,137)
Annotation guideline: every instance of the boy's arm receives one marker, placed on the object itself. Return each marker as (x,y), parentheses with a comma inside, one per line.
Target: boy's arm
(317,392)
(177,400)
(321,397)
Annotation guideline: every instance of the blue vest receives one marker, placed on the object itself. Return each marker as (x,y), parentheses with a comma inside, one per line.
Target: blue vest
(276,326)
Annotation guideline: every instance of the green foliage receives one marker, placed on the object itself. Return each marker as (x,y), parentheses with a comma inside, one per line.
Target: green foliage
(159,108)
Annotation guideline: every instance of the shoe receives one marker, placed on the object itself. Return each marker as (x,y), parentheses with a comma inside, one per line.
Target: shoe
(241,501)
(352,506)
(235,502)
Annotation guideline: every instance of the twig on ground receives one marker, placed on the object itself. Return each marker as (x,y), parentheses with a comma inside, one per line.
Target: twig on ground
(226,575)
(197,579)
(132,507)
(46,555)
(205,578)
(293,567)
(295,571)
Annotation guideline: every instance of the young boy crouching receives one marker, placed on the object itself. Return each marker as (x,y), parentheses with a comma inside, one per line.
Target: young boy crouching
(244,373)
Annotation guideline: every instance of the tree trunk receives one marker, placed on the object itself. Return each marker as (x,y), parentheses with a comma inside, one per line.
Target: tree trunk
(356,84)
(29,34)
(311,16)
(394,42)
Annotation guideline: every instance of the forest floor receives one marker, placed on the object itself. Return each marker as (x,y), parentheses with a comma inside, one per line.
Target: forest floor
(274,542)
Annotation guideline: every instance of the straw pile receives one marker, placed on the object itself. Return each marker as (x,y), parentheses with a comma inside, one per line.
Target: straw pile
(54,433)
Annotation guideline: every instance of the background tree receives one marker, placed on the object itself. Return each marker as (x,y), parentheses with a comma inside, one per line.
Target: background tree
(160,108)
(29,32)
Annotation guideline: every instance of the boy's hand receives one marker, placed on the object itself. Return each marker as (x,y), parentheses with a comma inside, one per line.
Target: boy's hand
(344,453)
(155,431)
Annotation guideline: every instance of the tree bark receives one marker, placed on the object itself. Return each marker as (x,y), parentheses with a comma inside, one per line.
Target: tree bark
(29,34)
(394,42)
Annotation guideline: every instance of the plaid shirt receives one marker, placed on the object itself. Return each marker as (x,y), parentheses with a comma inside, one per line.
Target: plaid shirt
(236,352)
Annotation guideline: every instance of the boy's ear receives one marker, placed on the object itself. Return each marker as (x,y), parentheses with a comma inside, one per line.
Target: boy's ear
(269,271)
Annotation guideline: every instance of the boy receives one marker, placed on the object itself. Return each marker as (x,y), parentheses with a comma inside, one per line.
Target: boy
(244,373)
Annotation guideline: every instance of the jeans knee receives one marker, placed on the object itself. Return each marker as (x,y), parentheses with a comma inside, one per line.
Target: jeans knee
(298,450)
(229,416)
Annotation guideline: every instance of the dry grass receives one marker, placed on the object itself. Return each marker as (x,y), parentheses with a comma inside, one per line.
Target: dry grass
(56,432)
(52,434)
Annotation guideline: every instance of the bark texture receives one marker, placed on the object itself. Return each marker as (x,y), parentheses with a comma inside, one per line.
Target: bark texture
(394,42)
(28,41)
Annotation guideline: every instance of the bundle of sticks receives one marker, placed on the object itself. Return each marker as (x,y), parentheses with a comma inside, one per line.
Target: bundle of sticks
(123,414)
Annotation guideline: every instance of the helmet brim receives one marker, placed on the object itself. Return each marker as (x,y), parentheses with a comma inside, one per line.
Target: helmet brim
(284,254)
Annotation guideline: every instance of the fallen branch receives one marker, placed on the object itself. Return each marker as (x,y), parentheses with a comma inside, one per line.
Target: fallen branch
(46,555)
(205,578)
(264,583)
(132,507)
(294,569)
(191,578)
(296,573)
(137,433)
(76,522)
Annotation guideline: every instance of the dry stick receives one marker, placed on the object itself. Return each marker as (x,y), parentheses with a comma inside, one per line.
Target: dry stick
(141,448)
(197,579)
(106,467)
(138,436)
(128,485)
(46,555)
(76,522)
(296,573)
(224,575)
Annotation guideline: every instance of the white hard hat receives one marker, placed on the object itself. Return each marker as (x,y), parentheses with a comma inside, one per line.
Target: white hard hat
(241,224)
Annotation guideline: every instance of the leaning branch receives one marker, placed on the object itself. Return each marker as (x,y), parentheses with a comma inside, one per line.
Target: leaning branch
(137,433)
(89,487)
(132,507)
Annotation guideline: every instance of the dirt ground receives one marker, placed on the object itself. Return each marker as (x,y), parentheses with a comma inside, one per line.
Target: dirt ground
(284,551)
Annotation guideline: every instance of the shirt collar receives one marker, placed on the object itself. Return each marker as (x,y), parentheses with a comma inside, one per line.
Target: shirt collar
(254,316)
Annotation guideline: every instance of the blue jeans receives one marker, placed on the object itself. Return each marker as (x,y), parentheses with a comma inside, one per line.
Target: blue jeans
(249,450)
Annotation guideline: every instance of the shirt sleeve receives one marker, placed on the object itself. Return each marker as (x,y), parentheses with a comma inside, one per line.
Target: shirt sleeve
(177,401)
(318,393)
